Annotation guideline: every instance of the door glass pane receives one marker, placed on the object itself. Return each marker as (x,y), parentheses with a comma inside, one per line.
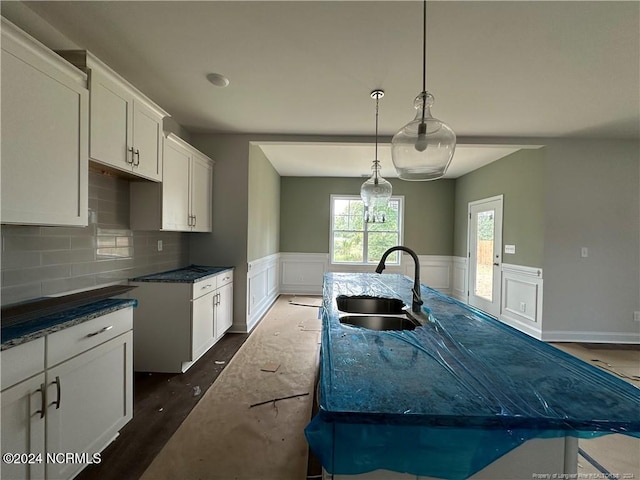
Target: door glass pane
(484,255)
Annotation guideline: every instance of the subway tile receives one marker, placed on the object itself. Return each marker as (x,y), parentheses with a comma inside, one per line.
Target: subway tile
(52,287)
(21,243)
(79,243)
(30,275)
(56,257)
(20,293)
(105,241)
(67,231)
(120,232)
(30,230)
(20,259)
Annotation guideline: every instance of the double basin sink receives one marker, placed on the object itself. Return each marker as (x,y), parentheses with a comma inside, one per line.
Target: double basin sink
(374,313)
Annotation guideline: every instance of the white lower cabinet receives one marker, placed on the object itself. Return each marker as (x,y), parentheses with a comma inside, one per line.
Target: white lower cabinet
(23,429)
(176,323)
(60,419)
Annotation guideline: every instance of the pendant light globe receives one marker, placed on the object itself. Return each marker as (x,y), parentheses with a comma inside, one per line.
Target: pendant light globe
(423,148)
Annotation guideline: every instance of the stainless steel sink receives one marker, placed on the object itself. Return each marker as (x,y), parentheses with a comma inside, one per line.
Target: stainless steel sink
(379,322)
(368,304)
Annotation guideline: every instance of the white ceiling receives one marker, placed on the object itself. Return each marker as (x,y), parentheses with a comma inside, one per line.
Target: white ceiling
(503,69)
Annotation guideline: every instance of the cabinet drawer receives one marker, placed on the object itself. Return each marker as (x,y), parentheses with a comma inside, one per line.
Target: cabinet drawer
(70,342)
(204,286)
(21,362)
(225,277)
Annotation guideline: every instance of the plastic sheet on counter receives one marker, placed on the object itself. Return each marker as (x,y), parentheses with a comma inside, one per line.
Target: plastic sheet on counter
(396,399)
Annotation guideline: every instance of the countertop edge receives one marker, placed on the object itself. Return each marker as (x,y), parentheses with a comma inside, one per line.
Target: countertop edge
(112,305)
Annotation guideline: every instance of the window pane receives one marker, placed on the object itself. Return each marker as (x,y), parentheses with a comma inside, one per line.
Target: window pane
(348,246)
(378,243)
(357,221)
(484,255)
(341,222)
(341,207)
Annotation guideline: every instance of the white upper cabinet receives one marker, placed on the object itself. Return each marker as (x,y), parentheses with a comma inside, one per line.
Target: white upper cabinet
(183,202)
(45,106)
(125,126)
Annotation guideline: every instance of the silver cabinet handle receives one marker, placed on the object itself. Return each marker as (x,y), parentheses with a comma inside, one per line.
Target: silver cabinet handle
(208,285)
(57,383)
(195,220)
(102,330)
(130,149)
(43,402)
(137,163)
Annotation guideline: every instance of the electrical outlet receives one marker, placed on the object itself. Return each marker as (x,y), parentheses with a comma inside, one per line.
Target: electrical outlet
(584,252)
(636,316)
(523,307)
(159,245)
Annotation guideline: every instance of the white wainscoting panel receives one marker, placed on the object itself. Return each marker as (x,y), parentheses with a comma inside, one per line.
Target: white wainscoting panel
(301,273)
(459,285)
(436,271)
(522,298)
(262,287)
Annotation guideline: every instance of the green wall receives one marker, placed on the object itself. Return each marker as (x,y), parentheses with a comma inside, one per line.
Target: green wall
(263,216)
(520,178)
(305,211)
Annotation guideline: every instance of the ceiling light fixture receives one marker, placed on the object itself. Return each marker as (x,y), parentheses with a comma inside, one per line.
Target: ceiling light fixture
(376,191)
(218,79)
(423,148)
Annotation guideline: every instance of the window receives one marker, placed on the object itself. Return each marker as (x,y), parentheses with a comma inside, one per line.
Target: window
(353,241)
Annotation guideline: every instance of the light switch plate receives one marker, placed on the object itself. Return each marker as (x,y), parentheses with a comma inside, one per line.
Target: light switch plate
(159,245)
(584,252)
(510,249)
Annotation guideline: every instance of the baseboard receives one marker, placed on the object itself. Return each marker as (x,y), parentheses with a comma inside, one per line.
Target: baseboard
(590,337)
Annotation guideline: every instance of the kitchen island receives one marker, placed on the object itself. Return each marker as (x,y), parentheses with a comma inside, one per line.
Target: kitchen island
(462,396)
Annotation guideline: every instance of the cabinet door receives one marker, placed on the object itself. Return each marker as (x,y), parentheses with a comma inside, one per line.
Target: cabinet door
(224,309)
(44,139)
(175,187)
(202,334)
(147,142)
(23,428)
(201,193)
(110,125)
(90,398)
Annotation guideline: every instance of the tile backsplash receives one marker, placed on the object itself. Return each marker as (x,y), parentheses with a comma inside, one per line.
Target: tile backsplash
(40,261)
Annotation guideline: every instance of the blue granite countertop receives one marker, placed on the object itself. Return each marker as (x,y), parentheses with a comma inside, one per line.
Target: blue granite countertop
(22,332)
(190,274)
(463,378)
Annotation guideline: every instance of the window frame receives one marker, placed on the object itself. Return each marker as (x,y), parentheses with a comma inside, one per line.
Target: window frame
(334,197)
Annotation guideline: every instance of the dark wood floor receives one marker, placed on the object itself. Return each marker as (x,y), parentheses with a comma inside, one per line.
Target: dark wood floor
(161,402)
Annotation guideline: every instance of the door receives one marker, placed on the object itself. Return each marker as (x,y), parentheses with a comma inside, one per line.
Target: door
(485,247)
(202,317)
(111,128)
(90,398)
(175,187)
(201,192)
(147,142)
(23,428)
(224,309)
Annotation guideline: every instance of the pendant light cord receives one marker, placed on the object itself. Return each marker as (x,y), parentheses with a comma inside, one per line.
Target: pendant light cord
(424,58)
(377,162)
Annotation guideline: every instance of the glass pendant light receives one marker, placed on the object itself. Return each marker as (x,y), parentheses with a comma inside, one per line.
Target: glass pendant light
(423,148)
(376,191)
